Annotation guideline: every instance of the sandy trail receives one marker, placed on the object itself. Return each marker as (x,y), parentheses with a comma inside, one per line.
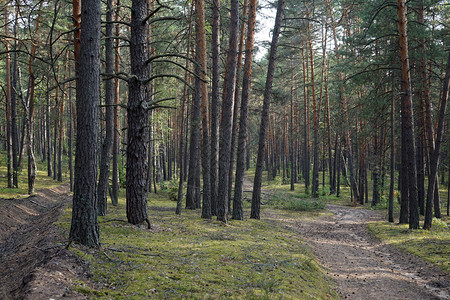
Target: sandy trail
(364,267)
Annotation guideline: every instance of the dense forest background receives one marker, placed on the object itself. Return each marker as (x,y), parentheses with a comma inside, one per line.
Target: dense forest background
(154,95)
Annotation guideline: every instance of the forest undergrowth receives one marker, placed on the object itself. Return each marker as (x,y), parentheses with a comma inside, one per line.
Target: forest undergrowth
(189,257)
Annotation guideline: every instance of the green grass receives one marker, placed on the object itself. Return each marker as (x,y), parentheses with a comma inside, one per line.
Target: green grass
(186,257)
(432,245)
(42,180)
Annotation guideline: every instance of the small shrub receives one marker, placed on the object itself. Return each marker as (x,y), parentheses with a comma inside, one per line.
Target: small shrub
(439,225)
(325,190)
(172,190)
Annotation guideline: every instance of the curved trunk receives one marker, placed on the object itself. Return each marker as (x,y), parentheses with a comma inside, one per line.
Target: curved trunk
(435,157)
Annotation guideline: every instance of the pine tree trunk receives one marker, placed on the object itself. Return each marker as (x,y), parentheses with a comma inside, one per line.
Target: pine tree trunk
(8,106)
(70,139)
(193,187)
(292,136)
(116,141)
(105,156)
(238,211)
(256,196)
(330,156)
(306,151)
(344,110)
(14,131)
(315,175)
(200,84)
(182,153)
(61,122)
(420,154)
(234,130)
(84,228)
(435,156)
(338,166)
(408,142)
(137,116)
(215,94)
(375,192)
(48,133)
(227,110)
(32,169)
(392,170)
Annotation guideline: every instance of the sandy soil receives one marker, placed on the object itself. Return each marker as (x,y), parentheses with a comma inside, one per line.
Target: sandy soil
(364,267)
(34,263)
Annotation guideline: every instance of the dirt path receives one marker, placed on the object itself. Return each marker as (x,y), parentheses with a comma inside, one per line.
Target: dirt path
(33,261)
(364,267)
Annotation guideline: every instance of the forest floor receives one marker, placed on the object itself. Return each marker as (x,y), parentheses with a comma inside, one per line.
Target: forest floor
(363,266)
(34,263)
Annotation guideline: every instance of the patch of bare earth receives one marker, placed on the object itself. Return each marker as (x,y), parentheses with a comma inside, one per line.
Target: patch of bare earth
(362,266)
(33,261)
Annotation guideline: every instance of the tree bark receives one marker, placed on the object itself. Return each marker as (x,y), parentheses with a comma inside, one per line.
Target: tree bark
(392,170)
(238,211)
(215,94)
(234,128)
(256,196)
(137,117)
(14,131)
(48,133)
(116,141)
(193,184)
(227,111)
(292,136)
(343,98)
(436,153)
(105,156)
(84,227)
(306,151)
(61,121)
(200,84)
(29,107)
(408,142)
(8,105)
(315,175)
(182,153)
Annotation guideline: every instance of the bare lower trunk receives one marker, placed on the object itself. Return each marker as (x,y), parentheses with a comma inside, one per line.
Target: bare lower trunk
(215,94)
(238,213)
(116,142)
(256,196)
(137,116)
(408,142)
(105,157)
(226,119)
(84,227)
(435,157)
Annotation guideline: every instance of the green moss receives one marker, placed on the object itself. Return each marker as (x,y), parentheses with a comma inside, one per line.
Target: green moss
(186,257)
(84,289)
(433,245)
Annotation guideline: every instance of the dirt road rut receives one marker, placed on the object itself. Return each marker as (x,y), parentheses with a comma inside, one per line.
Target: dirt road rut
(364,267)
